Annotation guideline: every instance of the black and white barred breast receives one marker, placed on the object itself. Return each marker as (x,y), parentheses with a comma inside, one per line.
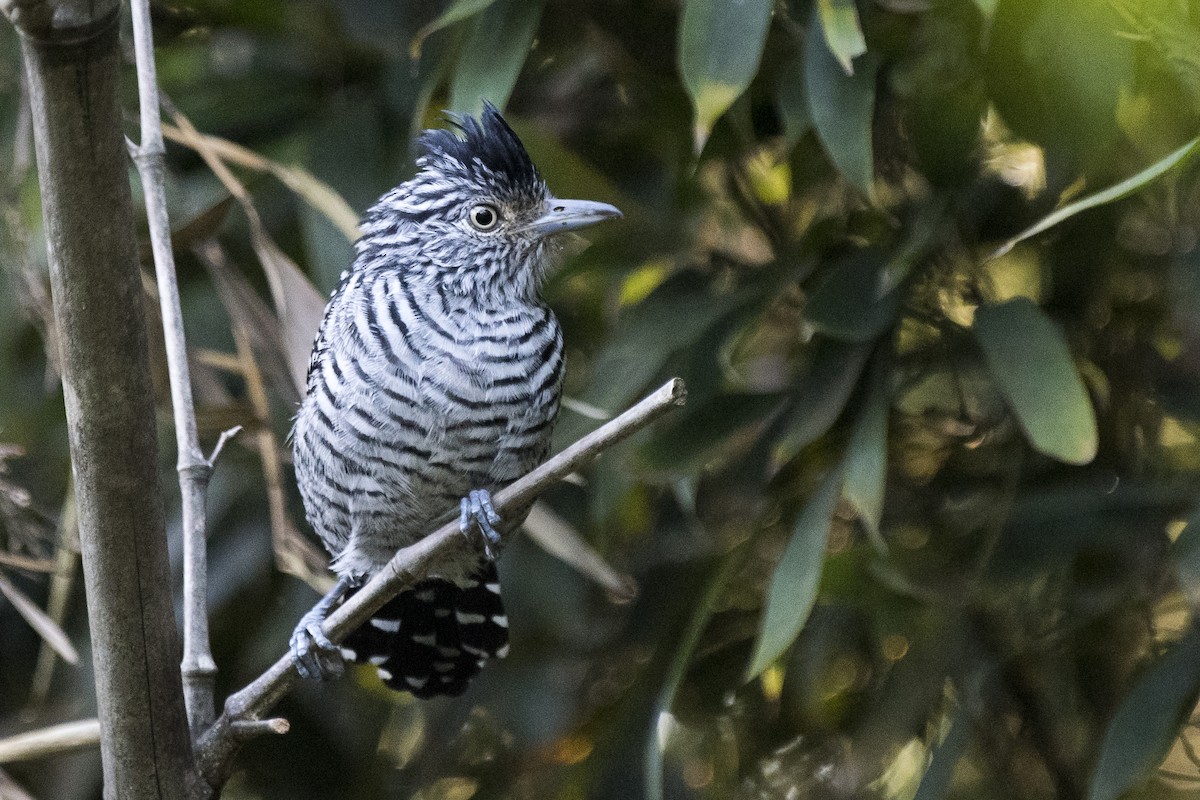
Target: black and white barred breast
(415,397)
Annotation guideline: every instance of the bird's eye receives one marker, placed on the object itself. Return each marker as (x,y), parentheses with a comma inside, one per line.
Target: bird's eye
(484,217)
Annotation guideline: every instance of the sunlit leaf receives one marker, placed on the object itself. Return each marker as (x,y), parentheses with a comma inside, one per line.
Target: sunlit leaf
(843,34)
(987,8)
(1148,720)
(823,392)
(1029,359)
(493,54)
(1056,71)
(866,459)
(842,108)
(794,583)
(1167,28)
(455,12)
(936,781)
(720,45)
(1186,554)
(1121,190)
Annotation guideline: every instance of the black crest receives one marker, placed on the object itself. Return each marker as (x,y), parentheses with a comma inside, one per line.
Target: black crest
(486,141)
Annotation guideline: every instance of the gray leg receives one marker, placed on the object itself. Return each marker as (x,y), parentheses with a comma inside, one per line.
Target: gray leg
(475,510)
(314,655)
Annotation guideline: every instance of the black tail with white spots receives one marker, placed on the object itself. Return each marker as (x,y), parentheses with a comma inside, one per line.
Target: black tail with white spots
(435,637)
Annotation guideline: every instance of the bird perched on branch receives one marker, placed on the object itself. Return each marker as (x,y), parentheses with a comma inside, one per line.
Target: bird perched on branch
(434,381)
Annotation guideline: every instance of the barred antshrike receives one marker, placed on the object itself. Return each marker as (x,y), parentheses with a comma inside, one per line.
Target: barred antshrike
(434,381)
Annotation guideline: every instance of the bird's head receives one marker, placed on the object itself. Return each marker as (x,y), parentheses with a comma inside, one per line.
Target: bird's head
(477,216)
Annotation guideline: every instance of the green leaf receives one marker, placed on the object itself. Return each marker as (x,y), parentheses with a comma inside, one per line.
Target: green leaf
(1121,190)
(842,107)
(720,46)
(794,584)
(494,53)
(843,34)
(1056,70)
(455,12)
(1148,720)
(702,433)
(674,315)
(823,392)
(1029,359)
(857,301)
(859,298)
(568,174)
(792,101)
(1166,27)
(678,668)
(866,459)
(987,8)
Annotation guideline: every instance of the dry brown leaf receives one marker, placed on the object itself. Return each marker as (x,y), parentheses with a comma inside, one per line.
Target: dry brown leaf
(554,535)
(39,621)
(261,326)
(62,582)
(298,302)
(294,554)
(11,790)
(26,563)
(311,189)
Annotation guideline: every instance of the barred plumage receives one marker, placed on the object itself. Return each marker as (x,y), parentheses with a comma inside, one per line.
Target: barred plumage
(436,373)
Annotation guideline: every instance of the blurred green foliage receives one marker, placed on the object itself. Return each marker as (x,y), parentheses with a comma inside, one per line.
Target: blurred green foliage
(927,525)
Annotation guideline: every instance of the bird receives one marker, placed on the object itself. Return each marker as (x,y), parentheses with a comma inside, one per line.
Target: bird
(434,381)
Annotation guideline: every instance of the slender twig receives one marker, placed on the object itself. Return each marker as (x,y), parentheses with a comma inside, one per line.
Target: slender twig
(198,668)
(218,745)
(51,741)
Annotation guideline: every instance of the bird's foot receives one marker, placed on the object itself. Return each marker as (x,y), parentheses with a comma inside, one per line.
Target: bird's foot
(475,510)
(315,656)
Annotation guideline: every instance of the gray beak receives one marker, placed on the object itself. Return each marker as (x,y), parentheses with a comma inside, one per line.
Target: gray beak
(569,215)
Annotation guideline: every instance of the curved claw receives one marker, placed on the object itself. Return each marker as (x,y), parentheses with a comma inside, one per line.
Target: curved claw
(476,509)
(315,656)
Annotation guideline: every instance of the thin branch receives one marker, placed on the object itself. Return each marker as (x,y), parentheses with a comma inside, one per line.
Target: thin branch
(224,438)
(26,563)
(51,741)
(219,744)
(198,668)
